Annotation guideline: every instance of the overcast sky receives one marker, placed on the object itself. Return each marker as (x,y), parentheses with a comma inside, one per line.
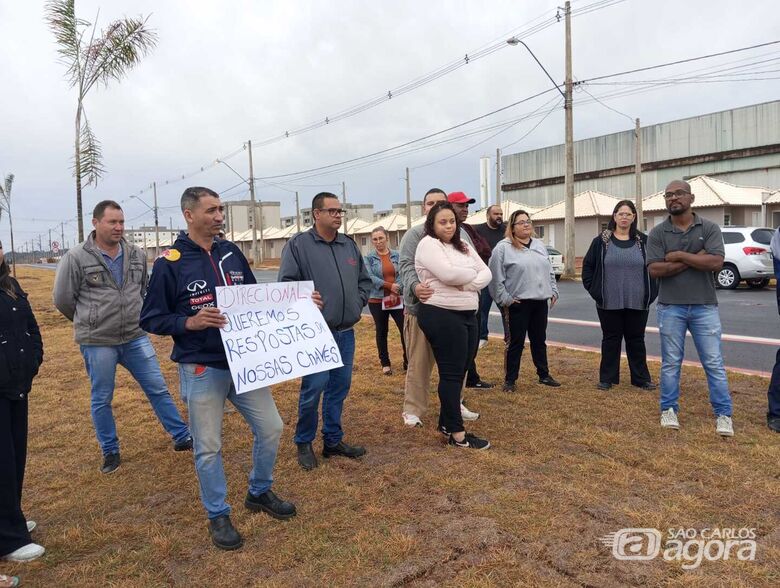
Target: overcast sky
(225,72)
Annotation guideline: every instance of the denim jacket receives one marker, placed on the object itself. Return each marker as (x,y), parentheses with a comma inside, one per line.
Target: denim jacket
(374,267)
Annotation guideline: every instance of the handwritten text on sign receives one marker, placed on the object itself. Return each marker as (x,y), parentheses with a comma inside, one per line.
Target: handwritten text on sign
(274,333)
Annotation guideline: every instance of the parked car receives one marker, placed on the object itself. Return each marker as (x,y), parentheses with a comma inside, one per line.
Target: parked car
(748,257)
(556,259)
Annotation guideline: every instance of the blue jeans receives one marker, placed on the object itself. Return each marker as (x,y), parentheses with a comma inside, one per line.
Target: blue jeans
(138,358)
(206,389)
(333,385)
(703,321)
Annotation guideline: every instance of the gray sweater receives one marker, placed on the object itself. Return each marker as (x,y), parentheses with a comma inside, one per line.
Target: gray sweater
(521,274)
(407,272)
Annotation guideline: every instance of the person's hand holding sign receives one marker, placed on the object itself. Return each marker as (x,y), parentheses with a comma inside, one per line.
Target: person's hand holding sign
(207,317)
(316,298)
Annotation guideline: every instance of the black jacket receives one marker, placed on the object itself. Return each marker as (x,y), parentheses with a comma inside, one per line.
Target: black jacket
(593,268)
(21,347)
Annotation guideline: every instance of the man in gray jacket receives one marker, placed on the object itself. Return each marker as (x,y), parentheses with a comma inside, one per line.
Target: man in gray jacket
(99,286)
(333,262)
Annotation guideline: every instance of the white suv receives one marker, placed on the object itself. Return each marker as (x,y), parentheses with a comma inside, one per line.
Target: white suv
(748,257)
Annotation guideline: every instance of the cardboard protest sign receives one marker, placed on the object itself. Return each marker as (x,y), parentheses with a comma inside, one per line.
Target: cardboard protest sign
(274,333)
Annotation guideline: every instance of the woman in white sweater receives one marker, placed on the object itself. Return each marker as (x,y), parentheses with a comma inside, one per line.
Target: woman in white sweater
(448,318)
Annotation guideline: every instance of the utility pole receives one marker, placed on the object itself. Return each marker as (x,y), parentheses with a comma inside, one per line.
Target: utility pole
(344,204)
(297,212)
(569,265)
(638,173)
(156,223)
(408,201)
(498,177)
(256,256)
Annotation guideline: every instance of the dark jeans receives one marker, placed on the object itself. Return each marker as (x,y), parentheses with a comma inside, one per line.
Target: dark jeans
(773,393)
(521,318)
(381,322)
(617,325)
(453,336)
(13,456)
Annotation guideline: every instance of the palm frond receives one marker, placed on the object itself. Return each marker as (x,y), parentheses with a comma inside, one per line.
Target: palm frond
(120,47)
(90,155)
(62,20)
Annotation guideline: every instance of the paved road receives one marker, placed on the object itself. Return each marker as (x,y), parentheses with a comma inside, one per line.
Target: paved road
(744,312)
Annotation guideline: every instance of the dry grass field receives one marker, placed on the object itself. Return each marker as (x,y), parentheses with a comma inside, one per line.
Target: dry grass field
(568,466)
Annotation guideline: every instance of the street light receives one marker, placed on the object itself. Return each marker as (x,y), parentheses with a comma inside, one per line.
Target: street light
(568,203)
(156,221)
(255,255)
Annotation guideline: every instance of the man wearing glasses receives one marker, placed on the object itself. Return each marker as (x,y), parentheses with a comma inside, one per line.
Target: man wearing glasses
(683,252)
(333,262)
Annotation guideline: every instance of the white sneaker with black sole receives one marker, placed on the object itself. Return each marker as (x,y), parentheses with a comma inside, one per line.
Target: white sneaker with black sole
(468,415)
(411,420)
(470,442)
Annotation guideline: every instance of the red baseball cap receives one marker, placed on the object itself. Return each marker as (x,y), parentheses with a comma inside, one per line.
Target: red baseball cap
(459,198)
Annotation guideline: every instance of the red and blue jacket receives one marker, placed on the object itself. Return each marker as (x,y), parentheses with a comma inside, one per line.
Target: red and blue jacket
(183,281)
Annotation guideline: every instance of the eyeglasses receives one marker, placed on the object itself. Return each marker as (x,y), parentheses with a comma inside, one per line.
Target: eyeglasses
(677,194)
(625,214)
(333,211)
(523,223)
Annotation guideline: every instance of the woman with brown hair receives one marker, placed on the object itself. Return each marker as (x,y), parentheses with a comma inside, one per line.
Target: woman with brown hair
(448,318)
(21,354)
(384,301)
(614,272)
(523,285)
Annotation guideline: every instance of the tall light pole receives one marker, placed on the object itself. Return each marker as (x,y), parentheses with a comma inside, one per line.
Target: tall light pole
(569,149)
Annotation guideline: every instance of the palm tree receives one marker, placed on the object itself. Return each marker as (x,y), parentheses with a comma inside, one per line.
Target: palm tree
(5,205)
(106,55)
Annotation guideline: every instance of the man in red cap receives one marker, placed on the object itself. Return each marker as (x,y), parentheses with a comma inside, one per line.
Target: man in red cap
(460,202)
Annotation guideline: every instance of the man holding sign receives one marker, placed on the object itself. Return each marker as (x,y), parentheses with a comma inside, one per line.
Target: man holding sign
(333,262)
(181,302)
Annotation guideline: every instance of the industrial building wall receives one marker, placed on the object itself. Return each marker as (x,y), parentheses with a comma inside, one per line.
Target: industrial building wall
(744,128)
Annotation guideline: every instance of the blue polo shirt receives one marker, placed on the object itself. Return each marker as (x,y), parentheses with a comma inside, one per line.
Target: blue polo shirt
(115,265)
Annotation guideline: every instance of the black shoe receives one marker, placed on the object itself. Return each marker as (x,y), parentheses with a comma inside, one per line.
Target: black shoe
(268,502)
(185,445)
(470,442)
(306,458)
(549,381)
(604,385)
(110,463)
(646,386)
(480,384)
(509,387)
(224,534)
(773,423)
(351,451)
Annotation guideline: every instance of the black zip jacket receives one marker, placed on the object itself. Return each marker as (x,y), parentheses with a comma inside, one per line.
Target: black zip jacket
(337,270)
(21,346)
(182,282)
(593,268)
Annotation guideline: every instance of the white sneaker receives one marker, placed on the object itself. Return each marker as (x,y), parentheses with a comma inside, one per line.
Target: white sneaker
(669,419)
(723,426)
(411,420)
(31,526)
(482,343)
(467,414)
(29,552)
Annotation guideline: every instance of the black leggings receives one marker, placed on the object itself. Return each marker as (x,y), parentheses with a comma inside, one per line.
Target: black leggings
(13,455)
(381,322)
(453,335)
(521,318)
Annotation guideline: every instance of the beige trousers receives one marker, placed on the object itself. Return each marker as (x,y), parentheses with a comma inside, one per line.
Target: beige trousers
(418,373)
